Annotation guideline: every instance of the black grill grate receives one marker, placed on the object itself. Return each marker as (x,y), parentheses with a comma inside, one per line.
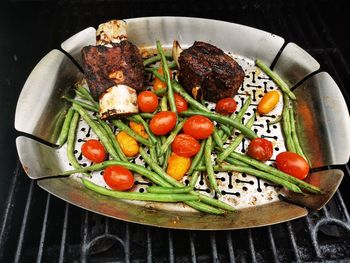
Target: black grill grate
(36,226)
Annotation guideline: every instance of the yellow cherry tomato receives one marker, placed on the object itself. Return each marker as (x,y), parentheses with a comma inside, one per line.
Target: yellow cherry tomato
(128,144)
(178,166)
(139,129)
(268,102)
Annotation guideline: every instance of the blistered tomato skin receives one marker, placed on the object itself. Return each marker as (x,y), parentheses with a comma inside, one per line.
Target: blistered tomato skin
(94,151)
(178,166)
(226,106)
(292,164)
(163,122)
(199,127)
(260,149)
(118,178)
(185,145)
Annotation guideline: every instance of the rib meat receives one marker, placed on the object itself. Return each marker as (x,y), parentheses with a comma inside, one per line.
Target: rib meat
(120,63)
(206,71)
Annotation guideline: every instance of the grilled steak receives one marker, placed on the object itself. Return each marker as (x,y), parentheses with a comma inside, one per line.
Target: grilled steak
(206,71)
(105,67)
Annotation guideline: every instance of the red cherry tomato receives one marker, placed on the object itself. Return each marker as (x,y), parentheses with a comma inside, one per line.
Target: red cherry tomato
(185,145)
(180,102)
(293,164)
(199,127)
(147,101)
(163,122)
(260,149)
(94,151)
(118,178)
(226,106)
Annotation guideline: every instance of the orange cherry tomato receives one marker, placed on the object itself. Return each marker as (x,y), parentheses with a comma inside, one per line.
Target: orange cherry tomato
(293,164)
(199,127)
(180,102)
(118,178)
(268,102)
(147,101)
(185,145)
(157,83)
(94,151)
(226,106)
(163,122)
(260,149)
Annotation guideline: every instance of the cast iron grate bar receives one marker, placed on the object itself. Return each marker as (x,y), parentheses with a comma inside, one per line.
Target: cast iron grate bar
(64,235)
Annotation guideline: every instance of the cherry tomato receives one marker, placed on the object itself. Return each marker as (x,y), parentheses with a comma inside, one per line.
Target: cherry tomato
(118,178)
(163,122)
(157,83)
(260,149)
(226,106)
(268,102)
(293,164)
(199,127)
(94,151)
(147,101)
(180,102)
(185,145)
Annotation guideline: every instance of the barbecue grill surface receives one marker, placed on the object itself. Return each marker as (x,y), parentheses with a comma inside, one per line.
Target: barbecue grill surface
(35,226)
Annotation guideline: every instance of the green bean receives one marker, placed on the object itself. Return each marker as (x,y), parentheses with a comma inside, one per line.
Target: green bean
(266,168)
(209,165)
(226,130)
(139,119)
(156,58)
(217,138)
(175,183)
(153,154)
(168,190)
(65,127)
(172,136)
(153,177)
(146,115)
(225,120)
(103,129)
(164,103)
(166,73)
(236,162)
(194,179)
(223,155)
(113,140)
(166,159)
(197,159)
(122,126)
(160,156)
(81,95)
(71,140)
(139,196)
(202,207)
(277,120)
(295,138)
(88,96)
(177,87)
(82,104)
(195,174)
(276,78)
(96,129)
(286,125)
(256,173)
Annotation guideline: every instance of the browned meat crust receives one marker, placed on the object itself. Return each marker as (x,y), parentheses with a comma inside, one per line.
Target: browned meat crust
(105,67)
(208,67)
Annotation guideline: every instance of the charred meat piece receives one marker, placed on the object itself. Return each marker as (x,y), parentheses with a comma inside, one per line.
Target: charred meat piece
(206,71)
(105,67)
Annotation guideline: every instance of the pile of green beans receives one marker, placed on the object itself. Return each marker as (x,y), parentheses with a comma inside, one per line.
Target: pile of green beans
(166,188)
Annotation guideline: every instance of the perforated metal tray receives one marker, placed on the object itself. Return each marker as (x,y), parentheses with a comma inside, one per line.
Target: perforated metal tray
(323,124)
